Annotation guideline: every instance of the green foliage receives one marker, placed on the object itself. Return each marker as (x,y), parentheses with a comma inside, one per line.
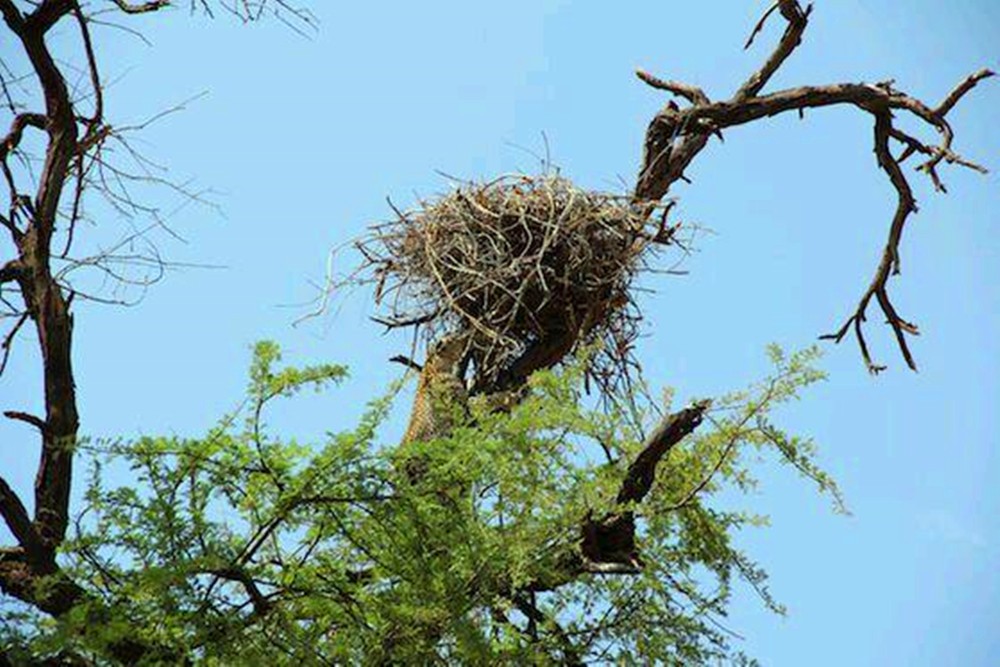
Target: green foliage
(241,548)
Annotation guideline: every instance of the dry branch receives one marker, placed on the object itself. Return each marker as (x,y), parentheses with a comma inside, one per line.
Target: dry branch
(15,515)
(607,543)
(44,301)
(676,136)
(670,431)
(29,571)
(43,208)
(611,539)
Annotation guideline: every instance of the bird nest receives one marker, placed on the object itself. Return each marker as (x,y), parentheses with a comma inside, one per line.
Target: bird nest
(514,261)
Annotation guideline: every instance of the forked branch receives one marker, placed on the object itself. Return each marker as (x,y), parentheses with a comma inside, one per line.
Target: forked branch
(676,136)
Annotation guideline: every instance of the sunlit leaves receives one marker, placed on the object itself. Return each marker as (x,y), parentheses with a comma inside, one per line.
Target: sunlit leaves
(241,547)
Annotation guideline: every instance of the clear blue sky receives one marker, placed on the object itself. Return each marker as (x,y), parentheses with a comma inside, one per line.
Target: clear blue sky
(303,139)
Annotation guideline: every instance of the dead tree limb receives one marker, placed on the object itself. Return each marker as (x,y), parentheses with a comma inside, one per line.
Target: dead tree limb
(670,431)
(43,208)
(677,135)
(607,544)
(610,540)
(29,571)
(43,298)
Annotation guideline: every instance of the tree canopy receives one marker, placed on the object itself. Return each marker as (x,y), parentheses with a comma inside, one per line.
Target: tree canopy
(240,548)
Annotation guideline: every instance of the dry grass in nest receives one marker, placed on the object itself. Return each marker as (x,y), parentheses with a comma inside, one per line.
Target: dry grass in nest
(516,258)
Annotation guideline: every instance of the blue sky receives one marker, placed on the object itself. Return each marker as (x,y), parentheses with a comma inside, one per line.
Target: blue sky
(301,140)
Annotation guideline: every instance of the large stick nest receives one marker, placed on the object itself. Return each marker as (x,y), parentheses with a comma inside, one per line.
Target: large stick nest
(515,260)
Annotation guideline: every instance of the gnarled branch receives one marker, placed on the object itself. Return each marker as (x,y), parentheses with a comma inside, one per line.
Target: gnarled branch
(676,136)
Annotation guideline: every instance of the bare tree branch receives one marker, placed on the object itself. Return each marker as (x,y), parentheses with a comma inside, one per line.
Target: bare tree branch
(43,204)
(890,258)
(798,20)
(610,540)
(670,431)
(10,271)
(47,14)
(8,340)
(692,94)
(27,419)
(13,138)
(676,136)
(15,515)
